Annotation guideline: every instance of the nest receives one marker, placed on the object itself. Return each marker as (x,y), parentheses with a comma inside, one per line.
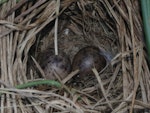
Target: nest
(28,28)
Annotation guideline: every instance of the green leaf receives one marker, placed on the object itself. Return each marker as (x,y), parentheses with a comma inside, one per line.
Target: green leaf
(145,5)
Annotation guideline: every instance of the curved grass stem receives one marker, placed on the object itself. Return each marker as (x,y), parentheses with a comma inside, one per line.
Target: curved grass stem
(56,28)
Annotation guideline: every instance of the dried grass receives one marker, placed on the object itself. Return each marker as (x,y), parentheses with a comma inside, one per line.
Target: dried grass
(115,26)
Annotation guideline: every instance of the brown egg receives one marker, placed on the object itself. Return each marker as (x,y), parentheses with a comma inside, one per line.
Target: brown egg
(88,58)
(51,64)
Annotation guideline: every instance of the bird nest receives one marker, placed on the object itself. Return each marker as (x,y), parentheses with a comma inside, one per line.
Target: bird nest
(28,29)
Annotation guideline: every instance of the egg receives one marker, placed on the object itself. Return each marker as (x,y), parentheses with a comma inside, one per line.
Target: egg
(55,64)
(87,58)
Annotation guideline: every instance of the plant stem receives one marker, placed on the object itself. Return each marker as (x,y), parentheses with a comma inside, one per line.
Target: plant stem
(145,5)
(56,29)
(39,82)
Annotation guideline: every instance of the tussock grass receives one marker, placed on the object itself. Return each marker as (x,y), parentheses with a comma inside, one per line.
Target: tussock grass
(115,26)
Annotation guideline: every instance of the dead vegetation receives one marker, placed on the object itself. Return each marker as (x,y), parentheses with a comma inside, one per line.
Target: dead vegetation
(27,28)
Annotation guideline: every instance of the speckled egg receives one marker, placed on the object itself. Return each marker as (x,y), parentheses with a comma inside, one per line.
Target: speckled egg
(55,64)
(88,58)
